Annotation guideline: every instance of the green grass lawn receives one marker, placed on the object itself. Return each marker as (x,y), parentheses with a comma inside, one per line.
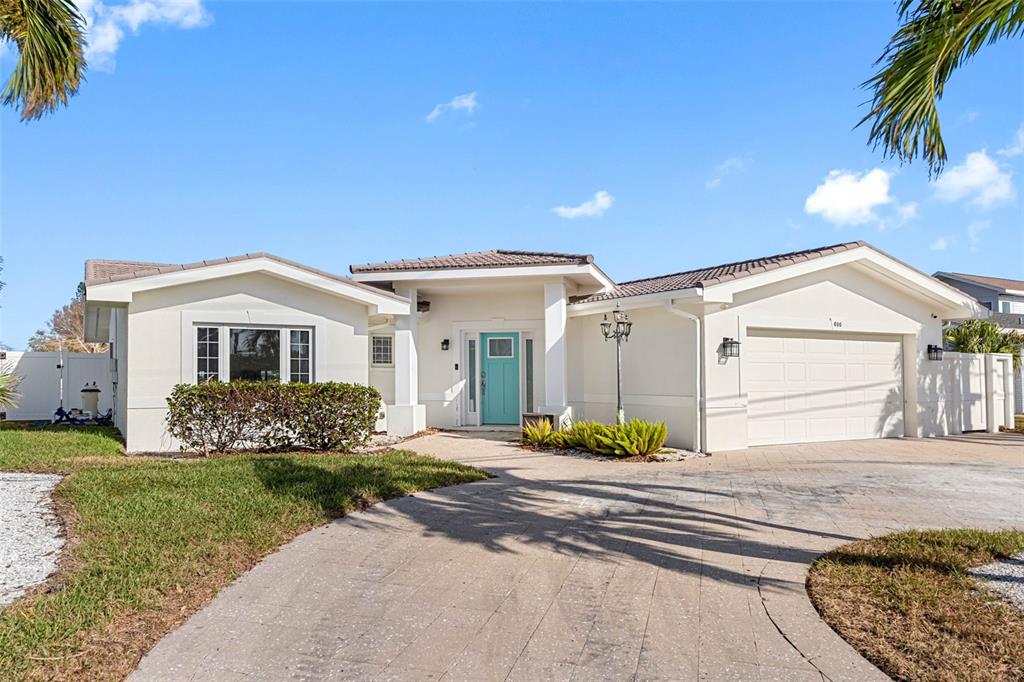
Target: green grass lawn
(907,603)
(151,540)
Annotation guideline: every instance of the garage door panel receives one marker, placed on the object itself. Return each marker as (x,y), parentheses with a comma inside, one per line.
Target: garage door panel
(826,371)
(811,387)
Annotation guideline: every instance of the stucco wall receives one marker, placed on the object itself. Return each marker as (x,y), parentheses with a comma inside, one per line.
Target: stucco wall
(512,309)
(842,299)
(658,365)
(159,322)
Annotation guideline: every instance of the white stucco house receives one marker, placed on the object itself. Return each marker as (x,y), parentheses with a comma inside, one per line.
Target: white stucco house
(833,341)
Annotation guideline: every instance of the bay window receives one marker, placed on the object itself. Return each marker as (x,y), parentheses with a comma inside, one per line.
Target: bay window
(227,353)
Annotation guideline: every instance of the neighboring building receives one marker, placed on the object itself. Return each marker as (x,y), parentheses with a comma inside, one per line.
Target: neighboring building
(833,341)
(1005,297)
(998,294)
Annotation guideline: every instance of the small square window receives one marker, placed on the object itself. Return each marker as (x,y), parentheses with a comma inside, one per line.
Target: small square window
(382,351)
(499,347)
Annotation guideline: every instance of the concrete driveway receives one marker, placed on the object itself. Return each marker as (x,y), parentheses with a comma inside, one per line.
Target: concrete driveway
(567,568)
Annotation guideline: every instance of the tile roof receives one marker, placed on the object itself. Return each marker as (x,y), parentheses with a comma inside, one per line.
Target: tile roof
(715,274)
(108,270)
(104,271)
(997,282)
(478,259)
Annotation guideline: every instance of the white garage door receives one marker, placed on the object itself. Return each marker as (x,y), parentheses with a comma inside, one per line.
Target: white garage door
(806,387)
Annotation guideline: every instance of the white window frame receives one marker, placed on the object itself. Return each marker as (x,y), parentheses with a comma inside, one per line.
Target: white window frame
(224,348)
(391,339)
(511,346)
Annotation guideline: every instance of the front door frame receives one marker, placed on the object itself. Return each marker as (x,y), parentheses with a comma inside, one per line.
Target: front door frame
(464,331)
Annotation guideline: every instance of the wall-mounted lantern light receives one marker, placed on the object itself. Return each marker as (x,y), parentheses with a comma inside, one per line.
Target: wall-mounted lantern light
(445,344)
(730,347)
(934,352)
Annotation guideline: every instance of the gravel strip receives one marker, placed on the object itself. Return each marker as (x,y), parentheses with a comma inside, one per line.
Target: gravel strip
(30,533)
(1005,577)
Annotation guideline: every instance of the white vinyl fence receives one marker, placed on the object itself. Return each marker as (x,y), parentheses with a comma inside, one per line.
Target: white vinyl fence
(980,391)
(41,385)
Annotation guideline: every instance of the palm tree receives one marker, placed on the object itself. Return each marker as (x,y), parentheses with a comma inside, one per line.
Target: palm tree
(50,37)
(936,38)
(8,389)
(980,336)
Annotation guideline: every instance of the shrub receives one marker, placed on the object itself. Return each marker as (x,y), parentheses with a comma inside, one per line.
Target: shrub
(635,438)
(541,434)
(331,416)
(584,436)
(221,417)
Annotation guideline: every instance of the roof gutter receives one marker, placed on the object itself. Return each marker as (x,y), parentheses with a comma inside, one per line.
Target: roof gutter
(698,374)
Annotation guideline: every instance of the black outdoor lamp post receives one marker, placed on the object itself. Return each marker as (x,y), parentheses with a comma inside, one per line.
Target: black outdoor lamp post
(618,330)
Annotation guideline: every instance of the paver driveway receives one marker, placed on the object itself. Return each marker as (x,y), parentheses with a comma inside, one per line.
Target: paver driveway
(564,567)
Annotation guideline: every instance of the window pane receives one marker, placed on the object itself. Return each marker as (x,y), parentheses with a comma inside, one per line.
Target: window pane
(299,356)
(255,355)
(500,347)
(381,350)
(207,354)
(471,351)
(529,375)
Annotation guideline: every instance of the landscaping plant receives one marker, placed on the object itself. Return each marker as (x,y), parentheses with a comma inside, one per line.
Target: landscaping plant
(254,415)
(539,433)
(981,336)
(635,438)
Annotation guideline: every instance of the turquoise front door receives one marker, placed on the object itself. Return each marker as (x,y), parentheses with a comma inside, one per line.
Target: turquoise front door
(499,377)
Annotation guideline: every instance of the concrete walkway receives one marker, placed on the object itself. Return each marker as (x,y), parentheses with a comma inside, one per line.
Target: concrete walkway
(565,568)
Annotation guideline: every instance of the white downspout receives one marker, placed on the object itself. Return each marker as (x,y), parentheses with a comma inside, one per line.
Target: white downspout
(698,373)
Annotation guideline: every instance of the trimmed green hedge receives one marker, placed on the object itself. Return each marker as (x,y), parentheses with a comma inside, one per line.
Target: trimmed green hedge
(252,415)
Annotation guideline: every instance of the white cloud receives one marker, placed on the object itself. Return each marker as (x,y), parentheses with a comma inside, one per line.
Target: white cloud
(849,198)
(733,164)
(466,103)
(974,231)
(107,24)
(591,208)
(1016,147)
(939,244)
(907,211)
(979,178)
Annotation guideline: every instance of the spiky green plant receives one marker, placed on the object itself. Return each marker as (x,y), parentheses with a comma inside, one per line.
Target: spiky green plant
(9,389)
(50,37)
(935,39)
(539,433)
(982,336)
(634,438)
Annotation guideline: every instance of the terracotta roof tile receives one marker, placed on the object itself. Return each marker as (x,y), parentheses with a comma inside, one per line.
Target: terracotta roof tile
(714,275)
(478,259)
(103,271)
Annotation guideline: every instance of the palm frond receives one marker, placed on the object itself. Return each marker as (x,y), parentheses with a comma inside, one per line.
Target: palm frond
(937,37)
(49,35)
(9,389)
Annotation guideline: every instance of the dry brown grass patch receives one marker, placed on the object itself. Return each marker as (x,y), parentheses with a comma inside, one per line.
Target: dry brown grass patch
(906,602)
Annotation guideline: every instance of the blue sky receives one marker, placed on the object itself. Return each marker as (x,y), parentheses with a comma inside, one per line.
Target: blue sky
(672,136)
